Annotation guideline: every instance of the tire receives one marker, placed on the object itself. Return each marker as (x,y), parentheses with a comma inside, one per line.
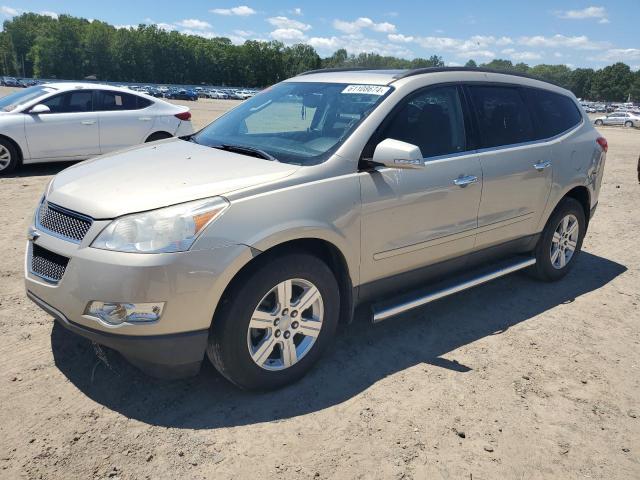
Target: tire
(628,124)
(599,122)
(158,136)
(233,344)
(9,159)
(556,251)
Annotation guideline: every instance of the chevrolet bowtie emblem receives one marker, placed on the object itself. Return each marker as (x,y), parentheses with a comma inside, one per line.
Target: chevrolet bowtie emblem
(33,234)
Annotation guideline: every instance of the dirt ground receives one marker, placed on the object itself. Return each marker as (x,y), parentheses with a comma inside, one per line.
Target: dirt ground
(513,379)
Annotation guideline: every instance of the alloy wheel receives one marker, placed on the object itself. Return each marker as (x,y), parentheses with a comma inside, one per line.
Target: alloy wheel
(5,157)
(285,325)
(564,241)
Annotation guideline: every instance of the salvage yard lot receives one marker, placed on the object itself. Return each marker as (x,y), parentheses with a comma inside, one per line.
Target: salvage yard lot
(513,379)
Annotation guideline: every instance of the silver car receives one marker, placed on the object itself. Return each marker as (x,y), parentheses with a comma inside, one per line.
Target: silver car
(251,240)
(627,119)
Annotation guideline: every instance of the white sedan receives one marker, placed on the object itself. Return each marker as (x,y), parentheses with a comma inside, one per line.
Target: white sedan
(76,121)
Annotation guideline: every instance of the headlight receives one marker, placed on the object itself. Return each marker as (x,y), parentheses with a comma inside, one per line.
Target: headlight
(170,229)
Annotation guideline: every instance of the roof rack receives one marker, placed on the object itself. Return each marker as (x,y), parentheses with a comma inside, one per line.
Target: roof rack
(420,71)
(339,69)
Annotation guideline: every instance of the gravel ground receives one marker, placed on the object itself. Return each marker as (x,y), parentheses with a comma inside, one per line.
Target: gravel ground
(514,379)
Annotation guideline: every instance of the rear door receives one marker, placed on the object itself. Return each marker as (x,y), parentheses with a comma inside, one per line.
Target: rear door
(125,119)
(517,170)
(68,131)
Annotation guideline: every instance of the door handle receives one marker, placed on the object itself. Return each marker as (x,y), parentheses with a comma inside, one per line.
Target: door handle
(463,181)
(144,119)
(88,122)
(541,166)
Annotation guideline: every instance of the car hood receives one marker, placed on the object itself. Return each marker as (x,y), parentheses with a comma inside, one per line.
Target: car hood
(153,176)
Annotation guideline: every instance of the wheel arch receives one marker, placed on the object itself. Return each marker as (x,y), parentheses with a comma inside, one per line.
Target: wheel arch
(164,134)
(318,247)
(583,196)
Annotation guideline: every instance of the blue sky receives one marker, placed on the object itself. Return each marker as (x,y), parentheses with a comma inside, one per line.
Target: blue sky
(572,32)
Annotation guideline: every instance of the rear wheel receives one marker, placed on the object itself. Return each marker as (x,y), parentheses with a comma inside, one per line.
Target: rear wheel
(275,322)
(561,241)
(598,122)
(8,157)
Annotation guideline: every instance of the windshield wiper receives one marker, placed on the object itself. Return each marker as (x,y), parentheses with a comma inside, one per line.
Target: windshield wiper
(252,152)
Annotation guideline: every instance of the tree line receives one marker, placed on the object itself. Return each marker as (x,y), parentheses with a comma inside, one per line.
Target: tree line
(67,47)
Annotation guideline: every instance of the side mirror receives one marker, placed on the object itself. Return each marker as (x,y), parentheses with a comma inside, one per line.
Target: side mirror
(396,154)
(39,108)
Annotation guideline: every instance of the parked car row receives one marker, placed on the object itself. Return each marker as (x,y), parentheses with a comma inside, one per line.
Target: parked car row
(75,121)
(19,83)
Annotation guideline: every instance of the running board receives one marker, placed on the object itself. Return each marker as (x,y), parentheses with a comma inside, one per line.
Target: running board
(384,310)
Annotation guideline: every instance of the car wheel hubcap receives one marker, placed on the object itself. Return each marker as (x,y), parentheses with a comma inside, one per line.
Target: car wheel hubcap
(5,157)
(285,325)
(564,241)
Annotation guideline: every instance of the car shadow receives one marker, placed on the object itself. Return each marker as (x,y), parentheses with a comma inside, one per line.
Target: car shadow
(362,355)
(39,169)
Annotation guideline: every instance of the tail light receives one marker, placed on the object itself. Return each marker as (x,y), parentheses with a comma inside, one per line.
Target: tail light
(603,144)
(186,116)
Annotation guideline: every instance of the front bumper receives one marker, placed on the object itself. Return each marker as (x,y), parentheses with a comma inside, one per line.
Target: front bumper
(164,356)
(189,283)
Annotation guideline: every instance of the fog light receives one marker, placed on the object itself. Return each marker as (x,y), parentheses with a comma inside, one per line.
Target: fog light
(117,313)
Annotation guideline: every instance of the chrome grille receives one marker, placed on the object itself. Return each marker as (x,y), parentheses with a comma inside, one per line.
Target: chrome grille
(47,265)
(62,222)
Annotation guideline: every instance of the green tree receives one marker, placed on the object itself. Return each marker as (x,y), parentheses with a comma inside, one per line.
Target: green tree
(471,64)
(612,83)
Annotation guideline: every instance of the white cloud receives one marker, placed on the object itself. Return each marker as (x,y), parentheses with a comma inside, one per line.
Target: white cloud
(525,56)
(363,22)
(200,33)
(194,24)
(288,35)
(626,55)
(9,11)
(357,43)
(581,42)
(241,11)
(288,23)
(586,13)
(244,33)
(400,38)
(297,11)
(49,14)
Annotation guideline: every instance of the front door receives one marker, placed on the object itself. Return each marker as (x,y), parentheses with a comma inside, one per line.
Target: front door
(414,218)
(68,131)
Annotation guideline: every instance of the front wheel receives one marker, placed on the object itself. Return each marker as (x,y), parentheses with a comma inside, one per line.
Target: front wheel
(8,157)
(628,124)
(561,241)
(275,322)
(598,122)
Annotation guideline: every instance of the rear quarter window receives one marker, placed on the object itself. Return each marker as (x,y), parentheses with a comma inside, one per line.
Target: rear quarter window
(555,113)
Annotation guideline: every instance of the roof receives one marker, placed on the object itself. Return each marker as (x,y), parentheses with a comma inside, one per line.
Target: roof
(386,77)
(85,85)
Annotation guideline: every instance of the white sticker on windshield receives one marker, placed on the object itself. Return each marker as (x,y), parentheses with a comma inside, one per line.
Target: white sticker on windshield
(366,89)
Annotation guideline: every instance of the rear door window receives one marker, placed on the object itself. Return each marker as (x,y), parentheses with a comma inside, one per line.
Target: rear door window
(503,116)
(431,119)
(555,113)
(113,101)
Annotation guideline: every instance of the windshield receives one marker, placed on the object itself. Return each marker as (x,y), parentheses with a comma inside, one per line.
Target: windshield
(15,100)
(301,123)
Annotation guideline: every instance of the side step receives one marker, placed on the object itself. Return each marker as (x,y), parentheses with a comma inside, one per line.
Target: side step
(384,310)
